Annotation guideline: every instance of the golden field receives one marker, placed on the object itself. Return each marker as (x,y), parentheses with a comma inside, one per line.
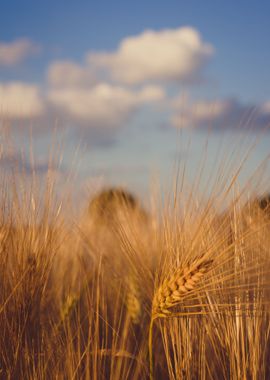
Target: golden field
(180,291)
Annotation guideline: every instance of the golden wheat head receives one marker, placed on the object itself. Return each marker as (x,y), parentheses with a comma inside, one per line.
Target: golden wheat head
(182,282)
(133,302)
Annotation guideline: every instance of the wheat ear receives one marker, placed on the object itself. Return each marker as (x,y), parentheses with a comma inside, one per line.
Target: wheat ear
(133,301)
(172,292)
(181,283)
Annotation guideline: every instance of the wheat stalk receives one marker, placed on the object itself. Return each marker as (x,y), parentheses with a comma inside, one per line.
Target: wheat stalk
(172,292)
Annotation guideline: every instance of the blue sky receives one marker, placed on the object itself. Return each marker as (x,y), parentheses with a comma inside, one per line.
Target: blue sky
(203,64)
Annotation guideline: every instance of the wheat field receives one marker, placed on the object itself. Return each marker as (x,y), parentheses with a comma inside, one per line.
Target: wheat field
(178,291)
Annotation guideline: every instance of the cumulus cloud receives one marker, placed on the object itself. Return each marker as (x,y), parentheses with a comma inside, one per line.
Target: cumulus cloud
(14,52)
(76,91)
(19,100)
(226,113)
(99,107)
(170,54)
(103,104)
(68,73)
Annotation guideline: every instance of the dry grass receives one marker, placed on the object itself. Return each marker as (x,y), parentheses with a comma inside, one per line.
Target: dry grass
(83,300)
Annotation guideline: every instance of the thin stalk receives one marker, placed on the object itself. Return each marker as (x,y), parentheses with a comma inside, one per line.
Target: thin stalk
(150,347)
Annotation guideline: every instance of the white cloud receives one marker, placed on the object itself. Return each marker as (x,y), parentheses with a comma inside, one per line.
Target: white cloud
(67,73)
(14,52)
(170,54)
(198,113)
(20,101)
(102,105)
(226,113)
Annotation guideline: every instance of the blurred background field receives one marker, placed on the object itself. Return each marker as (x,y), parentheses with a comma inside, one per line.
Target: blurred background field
(79,289)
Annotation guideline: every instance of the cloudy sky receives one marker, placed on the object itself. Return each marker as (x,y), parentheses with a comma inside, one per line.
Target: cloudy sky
(130,82)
